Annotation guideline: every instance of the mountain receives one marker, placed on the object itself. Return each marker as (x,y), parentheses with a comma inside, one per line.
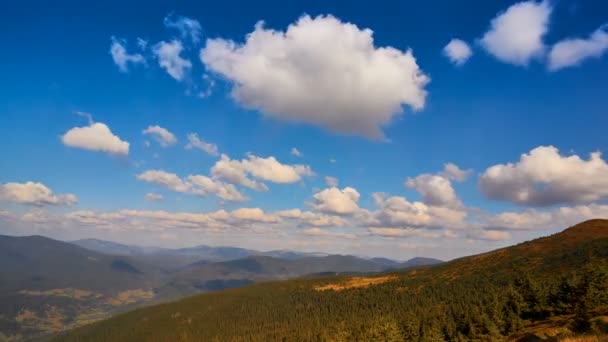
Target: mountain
(558,282)
(114,248)
(205,276)
(48,285)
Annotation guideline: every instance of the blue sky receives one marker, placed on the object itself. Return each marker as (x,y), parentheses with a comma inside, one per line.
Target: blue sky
(518,89)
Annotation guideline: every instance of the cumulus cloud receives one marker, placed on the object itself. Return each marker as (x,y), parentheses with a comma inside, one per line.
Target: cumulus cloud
(193,184)
(121,57)
(168,55)
(398,212)
(315,219)
(34,193)
(331,181)
(187,27)
(516,35)
(254,215)
(574,51)
(295,152)
(204,185)
(457,51)
(162,135)
(95,137)
(153,197)
(560,217)
(544,177)
(453,172)
(435,190)
(266,169)
(220,220)
(195,142)
(335,201)
(320,71)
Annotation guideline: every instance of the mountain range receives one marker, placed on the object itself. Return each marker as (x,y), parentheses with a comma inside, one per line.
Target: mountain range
(48,285)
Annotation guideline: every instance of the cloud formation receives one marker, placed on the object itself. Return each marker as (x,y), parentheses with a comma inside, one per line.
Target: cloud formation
(162,135)
(544,177)
(335,201)
(153,197)
(265,169)
(187,27)
(516,35)
(193,184)
(331,181)
(458,51)
(574,51)
(451,171)
(168,55)
(34,193)
(436,190)
(195,142)
(121,57)
(95,137)
(295,152)
(320,71)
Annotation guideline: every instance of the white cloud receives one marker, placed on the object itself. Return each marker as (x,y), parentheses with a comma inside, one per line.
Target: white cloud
(142,43)
(195,142)
(162,135)
(574,51)
(516,35)
(121,57)
(95,137)
(335,201)
(320,71)
(193,184)
(398,212)
(153,197)
(253,214)
(217,221)
(187,27)
(205,186)
(34,193)
(453,172)
(560,217)
(267,169)
(234,172)
(168,54)
(544,177)
(295,152)
(169,180)
(435,190)
(309,218)
(457,51)
(331,181)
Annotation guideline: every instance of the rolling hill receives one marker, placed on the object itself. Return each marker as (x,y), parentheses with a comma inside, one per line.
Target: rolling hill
(560,281)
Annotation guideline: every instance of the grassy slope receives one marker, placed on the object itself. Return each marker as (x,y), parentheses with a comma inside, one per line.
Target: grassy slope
(274,310)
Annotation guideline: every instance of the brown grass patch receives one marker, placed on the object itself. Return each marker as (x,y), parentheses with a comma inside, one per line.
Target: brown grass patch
(355,282)
(130,297)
